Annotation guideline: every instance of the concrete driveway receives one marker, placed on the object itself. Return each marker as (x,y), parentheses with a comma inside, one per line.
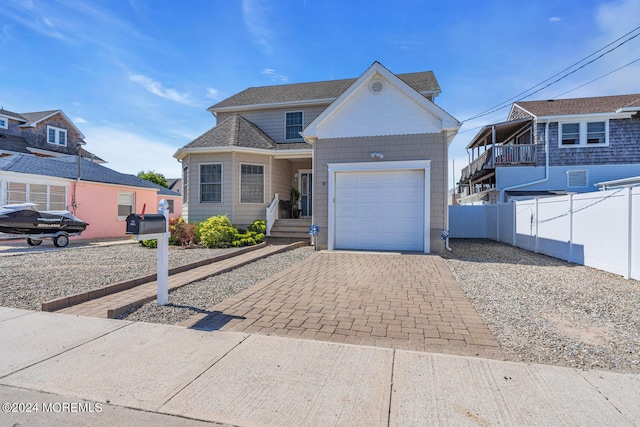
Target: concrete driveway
(401,301)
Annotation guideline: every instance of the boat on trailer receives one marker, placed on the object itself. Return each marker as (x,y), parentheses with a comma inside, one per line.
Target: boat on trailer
(23,220)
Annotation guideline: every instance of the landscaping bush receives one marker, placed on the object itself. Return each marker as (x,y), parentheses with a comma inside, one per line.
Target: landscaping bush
(182,233)
(152,243)
(217,232)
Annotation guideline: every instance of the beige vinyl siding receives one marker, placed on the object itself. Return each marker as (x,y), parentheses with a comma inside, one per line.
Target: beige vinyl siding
(272,121)
(246,213)
(281,179)
(394,148)
(201,211)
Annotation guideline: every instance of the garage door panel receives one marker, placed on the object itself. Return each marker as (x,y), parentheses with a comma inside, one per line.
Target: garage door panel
(379,210)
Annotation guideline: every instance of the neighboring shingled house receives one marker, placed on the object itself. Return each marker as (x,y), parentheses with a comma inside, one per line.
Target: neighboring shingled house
(43,133)
(554,147)
(368,157)
(98,195)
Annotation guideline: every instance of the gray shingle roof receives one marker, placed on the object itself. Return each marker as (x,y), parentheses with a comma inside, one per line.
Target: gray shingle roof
(235,131)
(16,144)
(560,107)
(67,167)
(8,113)
(423,82)
(37,116)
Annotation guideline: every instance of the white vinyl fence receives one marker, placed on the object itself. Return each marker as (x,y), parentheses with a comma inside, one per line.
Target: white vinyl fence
(599,229)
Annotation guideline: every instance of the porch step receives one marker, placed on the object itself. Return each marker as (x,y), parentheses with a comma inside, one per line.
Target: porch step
(291,228)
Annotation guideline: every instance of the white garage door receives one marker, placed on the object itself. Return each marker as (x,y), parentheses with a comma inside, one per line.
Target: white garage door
(380,210)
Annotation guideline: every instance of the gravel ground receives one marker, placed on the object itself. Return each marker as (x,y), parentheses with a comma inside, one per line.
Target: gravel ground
(545,310)
(541,309)
(200,296)
(32,277)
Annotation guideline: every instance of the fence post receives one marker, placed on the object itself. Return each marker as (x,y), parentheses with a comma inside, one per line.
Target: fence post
(498,221)
(514,206)
(537,222)
(629,231)
(570,258)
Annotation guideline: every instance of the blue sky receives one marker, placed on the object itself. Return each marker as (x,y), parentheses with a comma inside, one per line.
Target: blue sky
(136,76)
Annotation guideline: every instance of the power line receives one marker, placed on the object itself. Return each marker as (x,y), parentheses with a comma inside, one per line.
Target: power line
(502,105)
(597,78)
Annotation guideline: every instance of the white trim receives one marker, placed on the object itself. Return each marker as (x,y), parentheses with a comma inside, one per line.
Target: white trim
(309,102)
(299,137)
(424,165)
(264,172)
(304,153)
(449,123)
(583,134)
(199,171)
(278,154)
(182,153)
(310,181)
(56,138)
(47,152)
(133,204)
(6,122)
(32,125)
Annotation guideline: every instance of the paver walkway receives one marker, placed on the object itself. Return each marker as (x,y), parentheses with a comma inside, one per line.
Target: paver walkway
(100,307)
(403,301)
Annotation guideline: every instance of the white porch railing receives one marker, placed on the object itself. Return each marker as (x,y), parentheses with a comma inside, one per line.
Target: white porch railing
(272,213)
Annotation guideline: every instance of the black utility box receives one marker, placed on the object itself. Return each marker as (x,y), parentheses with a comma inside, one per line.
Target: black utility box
(151,224)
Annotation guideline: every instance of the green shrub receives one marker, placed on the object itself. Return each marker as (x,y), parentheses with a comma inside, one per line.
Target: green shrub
(217,232)
(259,226)
(153,243)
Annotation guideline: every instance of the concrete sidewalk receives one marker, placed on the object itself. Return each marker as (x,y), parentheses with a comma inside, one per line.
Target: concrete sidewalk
(91,371)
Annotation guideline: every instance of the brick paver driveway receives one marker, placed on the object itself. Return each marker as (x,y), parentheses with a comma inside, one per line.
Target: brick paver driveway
(404,301)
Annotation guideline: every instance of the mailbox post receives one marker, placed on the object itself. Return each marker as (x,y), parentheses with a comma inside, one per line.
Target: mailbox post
(163,256)
(152,226)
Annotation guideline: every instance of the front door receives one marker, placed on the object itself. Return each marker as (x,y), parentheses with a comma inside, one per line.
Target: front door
(305,193)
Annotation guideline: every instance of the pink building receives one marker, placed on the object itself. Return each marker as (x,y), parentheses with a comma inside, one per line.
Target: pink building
(98,195)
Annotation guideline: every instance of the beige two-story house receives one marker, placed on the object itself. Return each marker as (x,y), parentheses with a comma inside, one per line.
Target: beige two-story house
(368,157)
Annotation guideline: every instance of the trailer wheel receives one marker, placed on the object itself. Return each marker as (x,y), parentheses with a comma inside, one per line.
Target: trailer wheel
(33,242)
(61,241)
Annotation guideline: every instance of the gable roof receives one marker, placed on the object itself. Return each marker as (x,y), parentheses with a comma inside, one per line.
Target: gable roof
(235,131)
(446,122)
(11,114)
(424,83)
(14,144)
(67,167)
(571,106)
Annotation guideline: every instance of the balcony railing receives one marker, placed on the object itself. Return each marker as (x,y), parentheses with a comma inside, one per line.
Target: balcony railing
(499,155)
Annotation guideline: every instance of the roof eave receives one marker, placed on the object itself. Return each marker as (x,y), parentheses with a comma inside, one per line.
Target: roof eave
(237,108)
(184,152)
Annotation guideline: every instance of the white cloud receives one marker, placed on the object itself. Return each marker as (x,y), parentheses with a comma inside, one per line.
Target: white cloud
(213,94)
(255,14)
(156,88)
(130,153)
(79,120)
(555,19)
(275,77)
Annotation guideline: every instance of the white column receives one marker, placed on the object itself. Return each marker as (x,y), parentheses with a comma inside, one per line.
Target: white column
(163,257)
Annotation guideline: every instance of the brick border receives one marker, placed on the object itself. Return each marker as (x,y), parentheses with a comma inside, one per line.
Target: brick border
(71,300)
(114,313)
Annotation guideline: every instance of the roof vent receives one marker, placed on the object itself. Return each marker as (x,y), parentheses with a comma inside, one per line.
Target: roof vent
(376,86)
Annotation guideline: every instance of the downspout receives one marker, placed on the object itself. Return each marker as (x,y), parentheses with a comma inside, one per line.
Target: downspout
(546,168)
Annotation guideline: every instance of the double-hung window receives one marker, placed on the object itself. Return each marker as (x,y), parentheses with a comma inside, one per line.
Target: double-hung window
(584,134)
(56,136)
(4,122)
(293,125)
(126,204)
(251,183)
(211,183)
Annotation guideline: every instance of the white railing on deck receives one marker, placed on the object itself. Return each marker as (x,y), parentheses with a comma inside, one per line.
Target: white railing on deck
(272,213)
